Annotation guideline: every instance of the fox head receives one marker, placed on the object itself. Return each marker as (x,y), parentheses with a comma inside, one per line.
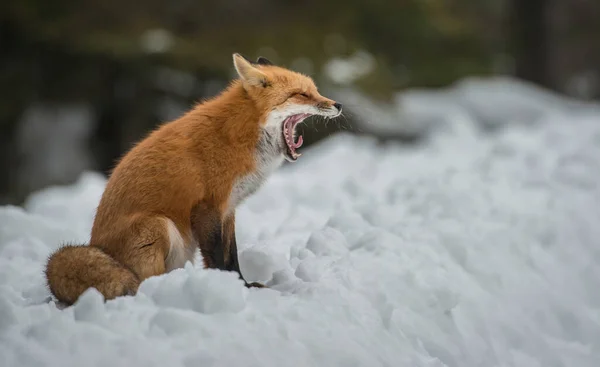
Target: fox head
(286,97)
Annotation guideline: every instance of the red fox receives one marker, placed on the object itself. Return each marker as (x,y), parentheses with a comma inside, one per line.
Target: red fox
(177,190)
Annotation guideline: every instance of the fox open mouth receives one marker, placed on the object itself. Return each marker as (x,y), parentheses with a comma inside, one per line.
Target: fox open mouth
(289,135)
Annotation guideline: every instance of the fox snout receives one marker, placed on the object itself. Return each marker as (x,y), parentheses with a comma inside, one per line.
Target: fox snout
(331,105)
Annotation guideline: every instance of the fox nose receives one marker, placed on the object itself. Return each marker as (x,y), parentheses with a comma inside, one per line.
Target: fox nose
(338,106)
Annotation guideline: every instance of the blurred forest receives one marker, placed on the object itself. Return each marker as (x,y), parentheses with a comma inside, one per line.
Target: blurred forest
(81,81)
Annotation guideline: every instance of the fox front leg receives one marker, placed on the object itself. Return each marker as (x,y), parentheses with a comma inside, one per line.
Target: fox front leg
(216,239)
(230,253)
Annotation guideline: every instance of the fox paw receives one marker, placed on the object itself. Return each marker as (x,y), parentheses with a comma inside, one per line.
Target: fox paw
(255,285)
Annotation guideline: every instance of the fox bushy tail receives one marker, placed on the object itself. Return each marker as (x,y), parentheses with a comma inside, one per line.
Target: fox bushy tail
(72,269)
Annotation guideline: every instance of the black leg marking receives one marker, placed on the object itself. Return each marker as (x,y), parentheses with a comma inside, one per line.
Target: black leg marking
(206,228)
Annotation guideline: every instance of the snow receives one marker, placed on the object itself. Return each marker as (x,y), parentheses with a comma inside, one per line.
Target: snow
(487,103)
(52,144)
(472,249)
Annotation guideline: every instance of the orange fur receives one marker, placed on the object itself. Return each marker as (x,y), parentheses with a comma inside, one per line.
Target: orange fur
(171,193)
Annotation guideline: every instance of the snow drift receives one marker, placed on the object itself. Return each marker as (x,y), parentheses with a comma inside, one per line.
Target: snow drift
(468,250)
(487,103)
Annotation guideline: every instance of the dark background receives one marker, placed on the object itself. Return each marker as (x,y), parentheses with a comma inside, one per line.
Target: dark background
(82,80)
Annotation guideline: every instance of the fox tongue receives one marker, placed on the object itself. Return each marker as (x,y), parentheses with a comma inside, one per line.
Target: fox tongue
(298,144)
(288,134)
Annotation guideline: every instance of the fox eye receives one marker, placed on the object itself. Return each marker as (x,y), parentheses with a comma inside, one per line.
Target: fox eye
(303,95)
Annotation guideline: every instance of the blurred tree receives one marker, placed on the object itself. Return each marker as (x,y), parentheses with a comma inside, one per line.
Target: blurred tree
(529,36)
(575,47)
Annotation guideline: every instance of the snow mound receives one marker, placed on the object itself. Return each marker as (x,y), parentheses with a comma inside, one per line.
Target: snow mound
(468,250)
(483,103)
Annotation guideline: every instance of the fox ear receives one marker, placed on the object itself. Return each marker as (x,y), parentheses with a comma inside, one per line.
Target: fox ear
(249,73)
(263,61)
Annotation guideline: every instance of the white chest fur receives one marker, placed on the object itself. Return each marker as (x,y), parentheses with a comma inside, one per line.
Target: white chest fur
(268,158)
